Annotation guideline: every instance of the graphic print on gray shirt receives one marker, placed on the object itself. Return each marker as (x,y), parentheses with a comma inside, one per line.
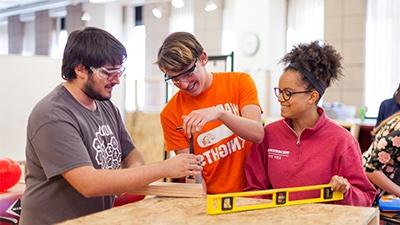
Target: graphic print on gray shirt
(108,156)
(62,135)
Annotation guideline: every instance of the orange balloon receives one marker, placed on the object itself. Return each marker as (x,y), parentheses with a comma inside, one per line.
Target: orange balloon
(10,173)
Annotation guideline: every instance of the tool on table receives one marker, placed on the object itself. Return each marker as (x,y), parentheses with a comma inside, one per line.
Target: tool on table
(197,179)
(227,203)
(389,203)
(192,179)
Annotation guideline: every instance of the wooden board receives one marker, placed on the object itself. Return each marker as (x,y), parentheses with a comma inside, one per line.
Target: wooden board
(176,211)
(390,217)
(171,190)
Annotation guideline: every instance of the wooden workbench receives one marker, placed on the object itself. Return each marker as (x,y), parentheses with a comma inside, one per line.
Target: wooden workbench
(176,211)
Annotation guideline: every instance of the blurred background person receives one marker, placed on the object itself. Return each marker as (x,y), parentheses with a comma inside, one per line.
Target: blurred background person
(389,106)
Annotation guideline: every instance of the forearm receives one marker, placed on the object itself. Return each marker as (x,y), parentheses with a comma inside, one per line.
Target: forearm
(98,182)
(133,159)
(382,181)
(92,182)
(247,129)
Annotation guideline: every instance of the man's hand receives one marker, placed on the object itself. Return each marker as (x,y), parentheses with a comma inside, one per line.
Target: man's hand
(196,120)
(182,165)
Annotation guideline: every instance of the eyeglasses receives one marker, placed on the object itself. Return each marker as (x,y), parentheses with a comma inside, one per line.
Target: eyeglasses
(180,77)
(286,94)
(109,73)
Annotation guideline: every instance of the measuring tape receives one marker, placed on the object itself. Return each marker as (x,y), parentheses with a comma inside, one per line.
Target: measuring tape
(227,203)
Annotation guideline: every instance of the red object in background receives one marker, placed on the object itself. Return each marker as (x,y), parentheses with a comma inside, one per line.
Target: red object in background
(10,173)
(127,198)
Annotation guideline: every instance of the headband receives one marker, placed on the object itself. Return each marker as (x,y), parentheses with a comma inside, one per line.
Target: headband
(310,77)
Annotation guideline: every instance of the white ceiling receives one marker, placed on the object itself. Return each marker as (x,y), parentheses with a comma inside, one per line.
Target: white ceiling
(13,3)
(18,7)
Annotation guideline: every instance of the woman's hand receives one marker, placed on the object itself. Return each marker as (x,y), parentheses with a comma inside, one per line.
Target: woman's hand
(340,184)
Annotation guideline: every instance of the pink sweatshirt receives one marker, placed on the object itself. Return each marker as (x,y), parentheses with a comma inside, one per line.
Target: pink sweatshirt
(284,160)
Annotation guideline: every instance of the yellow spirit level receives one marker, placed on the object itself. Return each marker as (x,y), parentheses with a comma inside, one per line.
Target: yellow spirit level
(227,203)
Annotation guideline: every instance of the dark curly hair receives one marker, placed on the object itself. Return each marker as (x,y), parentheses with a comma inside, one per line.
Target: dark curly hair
(317,62)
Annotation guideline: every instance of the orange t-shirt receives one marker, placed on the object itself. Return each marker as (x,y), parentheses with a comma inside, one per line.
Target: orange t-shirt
(223,152)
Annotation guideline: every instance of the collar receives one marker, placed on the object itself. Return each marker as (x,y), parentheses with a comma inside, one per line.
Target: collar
(318,125)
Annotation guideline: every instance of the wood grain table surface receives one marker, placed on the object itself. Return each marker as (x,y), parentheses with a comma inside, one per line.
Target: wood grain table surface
(176,211)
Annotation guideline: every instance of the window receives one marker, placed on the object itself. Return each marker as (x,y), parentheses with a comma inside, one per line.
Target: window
(305,21)
(28,45)
(59,38)
(135,93)
(4,38)
(382,52)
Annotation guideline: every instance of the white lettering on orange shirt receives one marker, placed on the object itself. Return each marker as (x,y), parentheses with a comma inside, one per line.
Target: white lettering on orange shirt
(221,151)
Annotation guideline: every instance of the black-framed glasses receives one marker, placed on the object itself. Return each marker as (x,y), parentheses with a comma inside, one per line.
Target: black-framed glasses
(180,77)
(107,73)
(287,94)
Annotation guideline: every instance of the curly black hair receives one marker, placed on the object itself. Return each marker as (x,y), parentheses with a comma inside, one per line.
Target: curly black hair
(318,59)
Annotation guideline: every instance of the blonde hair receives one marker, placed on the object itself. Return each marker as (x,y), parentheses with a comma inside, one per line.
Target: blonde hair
(178,51)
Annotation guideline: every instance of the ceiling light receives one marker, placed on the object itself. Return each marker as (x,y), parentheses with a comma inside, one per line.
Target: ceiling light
(210,6)
(86,16)
(157,12)
(178,3)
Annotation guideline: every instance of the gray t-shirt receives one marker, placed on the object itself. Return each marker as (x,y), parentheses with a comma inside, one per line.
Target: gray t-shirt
(62,135)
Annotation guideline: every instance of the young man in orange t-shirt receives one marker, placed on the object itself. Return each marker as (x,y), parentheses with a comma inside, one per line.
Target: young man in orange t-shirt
(220,110)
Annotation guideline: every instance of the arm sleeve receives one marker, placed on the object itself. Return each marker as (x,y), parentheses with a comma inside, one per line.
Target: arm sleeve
(173,139)
(59,151)
(361,192)
(248,91)
(384,152)
(380,114)
(256,167)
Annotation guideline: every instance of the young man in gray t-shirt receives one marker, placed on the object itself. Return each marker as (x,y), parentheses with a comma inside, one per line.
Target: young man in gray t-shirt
(77,142)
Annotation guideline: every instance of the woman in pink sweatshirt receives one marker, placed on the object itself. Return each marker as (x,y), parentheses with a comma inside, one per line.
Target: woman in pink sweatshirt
(306,147)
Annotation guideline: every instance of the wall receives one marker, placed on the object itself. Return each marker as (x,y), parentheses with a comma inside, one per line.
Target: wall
(26,80)
(267,19)
(345,22)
